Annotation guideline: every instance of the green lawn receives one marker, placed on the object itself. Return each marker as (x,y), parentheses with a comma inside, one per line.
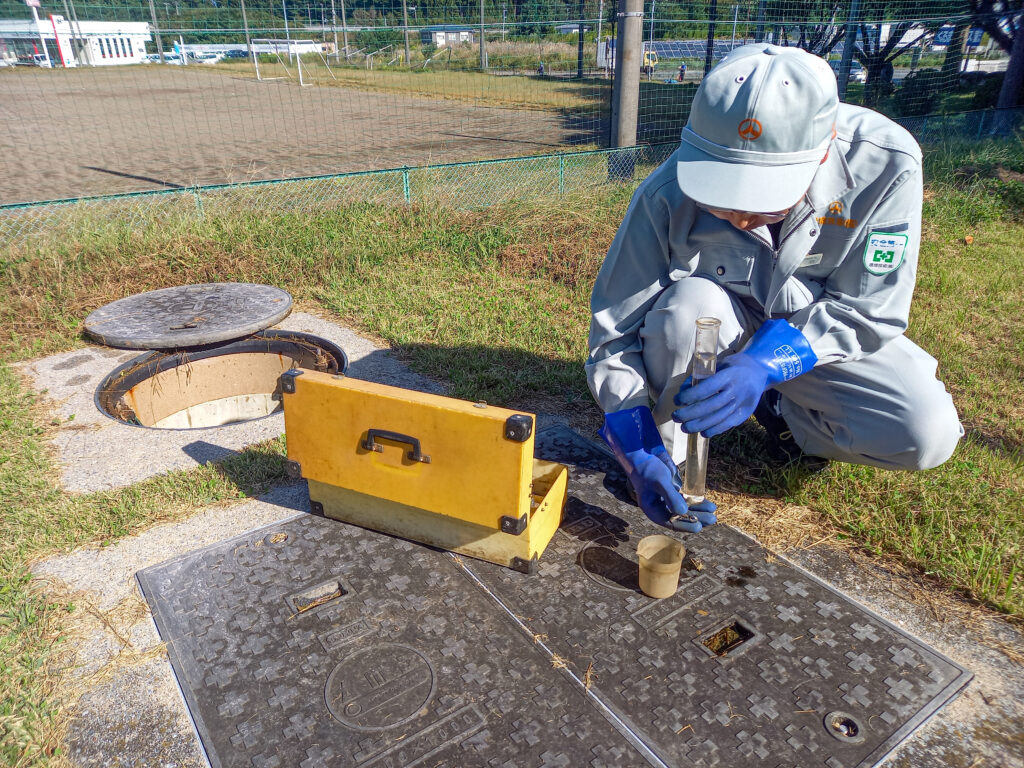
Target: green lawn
(495,302)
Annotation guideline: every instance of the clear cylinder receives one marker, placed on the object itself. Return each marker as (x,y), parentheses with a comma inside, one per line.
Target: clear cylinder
(705,362)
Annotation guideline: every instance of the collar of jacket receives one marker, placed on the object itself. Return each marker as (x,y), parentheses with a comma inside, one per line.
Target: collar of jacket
(833,180)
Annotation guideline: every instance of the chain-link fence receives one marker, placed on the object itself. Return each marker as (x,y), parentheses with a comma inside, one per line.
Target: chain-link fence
(121,96)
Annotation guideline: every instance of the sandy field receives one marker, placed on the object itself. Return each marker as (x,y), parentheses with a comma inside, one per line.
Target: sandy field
(82,132)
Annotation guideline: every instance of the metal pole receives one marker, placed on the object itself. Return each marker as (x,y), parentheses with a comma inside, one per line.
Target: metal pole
(483,47)
(405,24)
(504,13)
(650,50)
(42,42)
(245,23)
(628,54)
(709,52)
(334,26)
(735,17)
(81,37)
(579,45)
(344,29)
(287,34)
(848,44)
(600,15)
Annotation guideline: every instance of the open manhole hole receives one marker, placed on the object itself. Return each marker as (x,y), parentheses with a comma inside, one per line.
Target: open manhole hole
(211,361)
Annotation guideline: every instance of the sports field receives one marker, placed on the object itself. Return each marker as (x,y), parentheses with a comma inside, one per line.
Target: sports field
(82,132)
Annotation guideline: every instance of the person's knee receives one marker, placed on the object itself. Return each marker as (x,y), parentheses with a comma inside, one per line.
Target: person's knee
(933,437)
(669,325)
(923,438)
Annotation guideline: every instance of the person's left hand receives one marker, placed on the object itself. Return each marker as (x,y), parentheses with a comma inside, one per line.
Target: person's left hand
(722,401)
(778,352)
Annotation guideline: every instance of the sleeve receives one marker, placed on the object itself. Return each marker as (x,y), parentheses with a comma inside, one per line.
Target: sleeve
(633,275)
(866,302)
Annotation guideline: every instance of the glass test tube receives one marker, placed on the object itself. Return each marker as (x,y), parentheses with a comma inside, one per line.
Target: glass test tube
(705,361)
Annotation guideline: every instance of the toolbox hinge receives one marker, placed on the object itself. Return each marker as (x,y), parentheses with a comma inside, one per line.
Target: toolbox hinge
(529,567)
(288,380)
(513,525)
(518,427)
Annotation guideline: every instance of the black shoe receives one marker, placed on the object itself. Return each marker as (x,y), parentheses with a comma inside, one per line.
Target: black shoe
(781,445)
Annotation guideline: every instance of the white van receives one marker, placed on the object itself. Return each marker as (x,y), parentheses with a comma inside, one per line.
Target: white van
(41,60)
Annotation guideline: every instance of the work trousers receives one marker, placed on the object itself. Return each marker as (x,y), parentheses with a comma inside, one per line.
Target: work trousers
(887,409)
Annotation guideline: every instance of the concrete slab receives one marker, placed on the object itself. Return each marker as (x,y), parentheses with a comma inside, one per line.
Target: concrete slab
(97,453)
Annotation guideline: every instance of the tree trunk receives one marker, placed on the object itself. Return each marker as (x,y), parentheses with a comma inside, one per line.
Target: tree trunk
(954,58)
(1010,92)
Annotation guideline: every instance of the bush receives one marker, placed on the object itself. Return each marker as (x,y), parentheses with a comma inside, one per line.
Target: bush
(375,39)
(918,93)
(987,95)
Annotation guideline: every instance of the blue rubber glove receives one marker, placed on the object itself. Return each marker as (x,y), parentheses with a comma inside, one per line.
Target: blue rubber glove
(778,352)
(634,439)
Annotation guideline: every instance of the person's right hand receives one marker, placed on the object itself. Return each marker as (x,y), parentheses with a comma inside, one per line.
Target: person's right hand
(635,441)
(654,480)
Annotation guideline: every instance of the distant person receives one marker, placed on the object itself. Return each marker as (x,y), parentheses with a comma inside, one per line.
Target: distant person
(540,69)
(682,72)
(796,221)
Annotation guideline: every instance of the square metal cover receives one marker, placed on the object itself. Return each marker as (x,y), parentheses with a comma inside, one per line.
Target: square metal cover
(317,643)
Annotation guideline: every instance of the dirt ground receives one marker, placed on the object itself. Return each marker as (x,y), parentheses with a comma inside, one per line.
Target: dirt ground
(83,132)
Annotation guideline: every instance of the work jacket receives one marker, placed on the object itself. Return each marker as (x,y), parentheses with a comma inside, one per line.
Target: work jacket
(843,272)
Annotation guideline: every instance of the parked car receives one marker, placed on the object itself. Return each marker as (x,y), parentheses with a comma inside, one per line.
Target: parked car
(236,54)
(857,72)
(207,57)
(41,60)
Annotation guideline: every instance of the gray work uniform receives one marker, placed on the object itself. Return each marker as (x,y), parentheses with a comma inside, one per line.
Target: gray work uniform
(842,272)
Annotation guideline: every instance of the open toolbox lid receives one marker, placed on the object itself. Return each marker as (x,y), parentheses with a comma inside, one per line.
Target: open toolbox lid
(451,457)
(188,316)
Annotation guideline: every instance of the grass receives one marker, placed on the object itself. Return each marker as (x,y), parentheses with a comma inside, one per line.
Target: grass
(496,303)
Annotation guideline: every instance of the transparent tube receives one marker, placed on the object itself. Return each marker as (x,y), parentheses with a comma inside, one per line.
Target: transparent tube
(705,361)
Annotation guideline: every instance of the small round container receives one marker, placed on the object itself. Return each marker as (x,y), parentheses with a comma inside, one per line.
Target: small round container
(661,558)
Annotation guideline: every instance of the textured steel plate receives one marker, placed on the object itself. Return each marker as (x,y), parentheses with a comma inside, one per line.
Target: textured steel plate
(811,679)
(314,643)
(188,315)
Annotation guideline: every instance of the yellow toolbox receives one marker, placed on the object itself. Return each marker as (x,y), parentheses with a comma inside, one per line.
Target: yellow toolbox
(445,472)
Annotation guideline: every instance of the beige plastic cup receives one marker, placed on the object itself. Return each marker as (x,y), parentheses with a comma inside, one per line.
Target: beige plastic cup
(661,558)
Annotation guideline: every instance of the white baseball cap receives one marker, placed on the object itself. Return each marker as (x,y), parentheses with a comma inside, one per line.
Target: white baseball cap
(760,125)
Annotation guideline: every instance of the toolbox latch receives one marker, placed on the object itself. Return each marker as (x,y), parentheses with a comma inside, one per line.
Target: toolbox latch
(513,525)
(529,567)
(518,427)
(288,380)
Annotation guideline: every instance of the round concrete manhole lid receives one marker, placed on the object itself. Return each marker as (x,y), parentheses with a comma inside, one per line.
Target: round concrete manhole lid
(188,315)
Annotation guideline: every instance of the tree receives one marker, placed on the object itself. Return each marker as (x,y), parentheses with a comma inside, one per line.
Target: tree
(1003,20)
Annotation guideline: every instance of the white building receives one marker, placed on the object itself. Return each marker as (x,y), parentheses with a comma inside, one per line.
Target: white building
(67,44)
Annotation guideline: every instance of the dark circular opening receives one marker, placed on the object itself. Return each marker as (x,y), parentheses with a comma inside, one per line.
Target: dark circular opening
(843,727)
(214,385)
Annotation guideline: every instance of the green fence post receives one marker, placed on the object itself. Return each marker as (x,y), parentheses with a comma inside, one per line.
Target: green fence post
(561,175)
(405,185)
(199,201)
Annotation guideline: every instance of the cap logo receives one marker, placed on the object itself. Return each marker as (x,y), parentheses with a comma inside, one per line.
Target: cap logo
(750,129)
(835,208)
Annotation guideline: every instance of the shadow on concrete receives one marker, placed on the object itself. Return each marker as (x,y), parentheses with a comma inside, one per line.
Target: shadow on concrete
(258,473)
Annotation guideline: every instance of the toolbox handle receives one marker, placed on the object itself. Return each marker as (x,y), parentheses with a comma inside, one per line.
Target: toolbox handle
(415,454)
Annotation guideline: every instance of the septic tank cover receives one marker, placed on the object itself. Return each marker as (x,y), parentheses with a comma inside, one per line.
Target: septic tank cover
(188,315)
